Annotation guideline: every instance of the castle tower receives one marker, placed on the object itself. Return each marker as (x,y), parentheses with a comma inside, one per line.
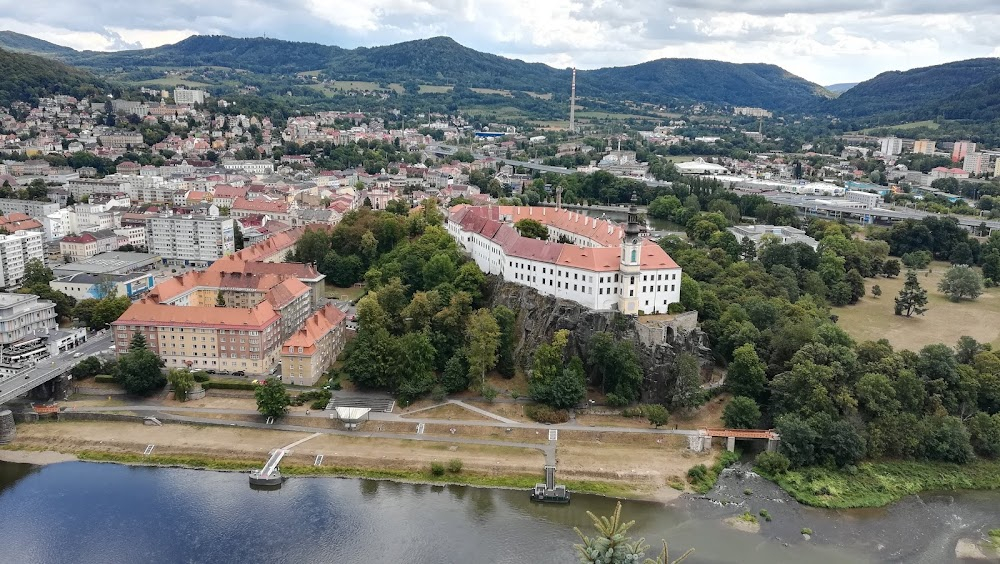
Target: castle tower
(559,191)
(631,261)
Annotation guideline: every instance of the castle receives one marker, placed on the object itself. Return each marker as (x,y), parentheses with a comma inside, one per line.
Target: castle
(604,267)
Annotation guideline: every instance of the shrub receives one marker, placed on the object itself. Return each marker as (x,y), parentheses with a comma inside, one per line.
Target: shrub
(319,405)
(697,473)
(767,516)
(614,400)
(227,385)
(105,379)
(806,531)
(489,393)
(771,463)
(438,394)
(748,491)
(437,469)
(546,414)
(748,517)
(454,466)
(201,377)
(636,411)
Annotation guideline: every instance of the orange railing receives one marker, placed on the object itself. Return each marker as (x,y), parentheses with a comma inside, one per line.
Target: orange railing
(45,409)
(742,433)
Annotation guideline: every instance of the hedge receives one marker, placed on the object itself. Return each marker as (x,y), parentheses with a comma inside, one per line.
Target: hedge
(105,379)
(224,385)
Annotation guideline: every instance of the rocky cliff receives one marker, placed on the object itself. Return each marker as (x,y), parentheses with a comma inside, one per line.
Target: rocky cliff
(539,317)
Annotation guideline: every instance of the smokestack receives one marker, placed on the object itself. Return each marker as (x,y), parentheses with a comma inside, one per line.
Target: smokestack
(572,104)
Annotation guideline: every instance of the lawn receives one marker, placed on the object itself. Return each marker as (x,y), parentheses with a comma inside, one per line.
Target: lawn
(492,91)
(352,293)
(434,89)
(172,80)
(943,322)
(912,125)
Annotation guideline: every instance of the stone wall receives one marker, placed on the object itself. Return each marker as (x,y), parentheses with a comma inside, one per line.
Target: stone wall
(539,317)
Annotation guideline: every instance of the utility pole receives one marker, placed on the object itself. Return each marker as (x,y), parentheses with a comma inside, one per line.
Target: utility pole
(572,104)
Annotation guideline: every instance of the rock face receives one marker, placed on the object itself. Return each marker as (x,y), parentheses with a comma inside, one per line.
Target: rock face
(539,317)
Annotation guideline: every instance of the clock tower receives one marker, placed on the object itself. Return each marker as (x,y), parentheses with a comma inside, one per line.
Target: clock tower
(629,269)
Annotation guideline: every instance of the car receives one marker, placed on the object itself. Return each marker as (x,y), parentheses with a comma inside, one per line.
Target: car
(239,373)
(77,355)
(210,371)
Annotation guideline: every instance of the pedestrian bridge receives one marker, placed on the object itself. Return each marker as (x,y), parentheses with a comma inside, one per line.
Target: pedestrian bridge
(703,440)
(269,475)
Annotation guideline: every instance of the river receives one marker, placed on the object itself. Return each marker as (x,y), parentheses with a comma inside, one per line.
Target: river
(103,513)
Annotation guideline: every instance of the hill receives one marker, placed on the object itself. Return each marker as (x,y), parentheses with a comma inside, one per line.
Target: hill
(920,93)
(27,77)
(841,87)
(20,43)
(442,61)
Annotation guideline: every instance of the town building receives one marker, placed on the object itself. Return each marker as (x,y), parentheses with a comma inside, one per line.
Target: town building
(869,200)
(606,267)
(15,252)
(85,285)
(253,167)
(189,97)
(312,349)
(87,244)
(890,146)
(979,162)
(961,149)
(924,147)
(114,262)
(29,208)
(121,140)
(24,314)
(275,209)
(781,234)
(753,112)
(204,337)
(190,239)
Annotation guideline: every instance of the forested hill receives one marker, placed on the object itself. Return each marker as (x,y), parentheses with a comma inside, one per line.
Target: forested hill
(959,90)
(27,77)
(442,61)
(20,43)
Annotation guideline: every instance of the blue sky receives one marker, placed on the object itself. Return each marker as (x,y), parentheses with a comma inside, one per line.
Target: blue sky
(822,41)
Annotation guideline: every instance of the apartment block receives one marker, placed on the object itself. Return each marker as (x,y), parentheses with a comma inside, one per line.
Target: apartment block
(24,314)
(27,207)
(190,239)
(310,351)
(15,252)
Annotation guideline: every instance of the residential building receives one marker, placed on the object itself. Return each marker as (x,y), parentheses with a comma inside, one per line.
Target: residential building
(275,209)
(188,97)
(313,348)
(945,172)
(924,147)
(961,149)
(24,314)
(890,146)
(782,234)
(753,112)
(15,252)
(30,208)
(253,167)
(190,239)
(135,236)
(204,337)
(224,195)
(86,285)
(87,244)
(17,222)
(121,140)
(977,162)
(606,267)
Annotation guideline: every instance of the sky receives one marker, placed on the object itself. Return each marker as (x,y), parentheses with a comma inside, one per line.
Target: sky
(820,40)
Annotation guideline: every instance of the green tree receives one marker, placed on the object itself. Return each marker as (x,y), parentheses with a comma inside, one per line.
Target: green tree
(506,321)
(86,368)
(272,398)
(984,434)
(139,370)
(36,273)
(876,291)
(741,413)
(656,414)
(912,298)
(182,381)
(413,373)
(891,268)
(746,375)
(455,377)
(483,340)
(108,310)
(138,342)
(687,394)
(220,300)
(531,228)
(917,260)
(797,440)
(613,545)
(961,281)
(748,249)
(690,293)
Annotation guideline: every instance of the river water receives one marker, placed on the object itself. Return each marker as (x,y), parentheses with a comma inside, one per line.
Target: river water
(102,513)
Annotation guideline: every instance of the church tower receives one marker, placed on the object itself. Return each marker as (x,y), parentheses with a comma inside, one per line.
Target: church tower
(631,260)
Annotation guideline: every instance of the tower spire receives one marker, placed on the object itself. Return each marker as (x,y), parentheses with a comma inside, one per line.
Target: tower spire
(633,228)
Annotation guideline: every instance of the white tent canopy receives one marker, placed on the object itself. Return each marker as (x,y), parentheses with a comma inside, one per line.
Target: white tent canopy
(352,414)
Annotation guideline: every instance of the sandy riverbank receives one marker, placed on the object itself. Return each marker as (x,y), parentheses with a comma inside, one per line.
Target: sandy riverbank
(36,457)
(604,463)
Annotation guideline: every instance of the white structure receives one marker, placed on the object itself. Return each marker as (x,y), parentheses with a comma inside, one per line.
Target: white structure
(754,112)
(607,267)
(812,189)
(782,234)
(27,207)
(136,235)
(15,252)
(978,162)
(699,166)
(890,146)
(188,97)
(194,239)
(24,314)
(869,200)
(253,167)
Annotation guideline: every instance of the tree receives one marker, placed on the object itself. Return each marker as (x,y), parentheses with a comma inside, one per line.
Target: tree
(86,368)
(748,250)
(107,311)
(506,320)
(237,236)
(961,281)
(656,414)
(741,413)
(876,291)
(455,377)
(797,440)
(36,273)
(746,375)
(568,388)
(220,300)
(483,336)
(690,293)
(138,342)
(857,284)
(912,298)
(138,370)
(891,268)
(613,545)
(687,387)
(917,260)
(272,398)
(984,434)
(182,381)
(531,228)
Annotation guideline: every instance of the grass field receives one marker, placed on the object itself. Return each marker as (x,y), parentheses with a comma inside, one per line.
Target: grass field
(492,91)
(911,125)
(352,293)
(432,89)
(943,322)
(172,81)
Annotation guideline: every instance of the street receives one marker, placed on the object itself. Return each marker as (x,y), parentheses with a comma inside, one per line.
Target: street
(49,368)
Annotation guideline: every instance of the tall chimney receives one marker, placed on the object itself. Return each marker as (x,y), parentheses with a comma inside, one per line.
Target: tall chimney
(572,104)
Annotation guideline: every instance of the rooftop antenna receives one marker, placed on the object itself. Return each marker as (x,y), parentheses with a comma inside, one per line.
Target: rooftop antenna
(572,104)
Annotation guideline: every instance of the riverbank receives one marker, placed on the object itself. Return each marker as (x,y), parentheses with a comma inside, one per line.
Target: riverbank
(36,457)
(878,484)
(230,448)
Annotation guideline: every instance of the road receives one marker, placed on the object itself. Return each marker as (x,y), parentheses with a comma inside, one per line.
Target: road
(49,368)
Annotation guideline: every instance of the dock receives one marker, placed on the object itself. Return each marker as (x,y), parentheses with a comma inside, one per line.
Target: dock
(269,475)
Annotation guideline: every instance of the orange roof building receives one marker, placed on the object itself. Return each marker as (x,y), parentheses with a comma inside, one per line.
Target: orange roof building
(310,351)
(604,266)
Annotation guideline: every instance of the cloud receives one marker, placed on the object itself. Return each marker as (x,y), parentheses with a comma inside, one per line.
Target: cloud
(826,42)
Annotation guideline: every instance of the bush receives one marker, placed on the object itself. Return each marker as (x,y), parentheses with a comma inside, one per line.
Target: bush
(201,377)
(748,491)
(489,393)
(765,515)
(319,405)
(227,385)
(105,379)
(454,466)
(771,463)
(438,394)
(614,400)
(697,473)
(545,414)
(437,469)
(633,411)
(806,531)
(748,517)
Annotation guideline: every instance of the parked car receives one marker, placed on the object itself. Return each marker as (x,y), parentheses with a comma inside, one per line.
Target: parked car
(239,373)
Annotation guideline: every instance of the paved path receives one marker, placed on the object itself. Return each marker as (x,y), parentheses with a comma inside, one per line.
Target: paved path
(300,441)
(483,412)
